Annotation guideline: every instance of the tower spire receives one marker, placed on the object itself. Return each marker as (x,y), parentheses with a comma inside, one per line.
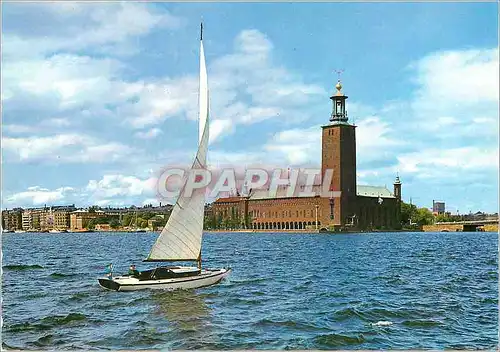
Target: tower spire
(339,113)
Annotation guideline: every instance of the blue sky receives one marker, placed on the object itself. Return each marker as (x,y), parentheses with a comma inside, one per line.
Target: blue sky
(98,97)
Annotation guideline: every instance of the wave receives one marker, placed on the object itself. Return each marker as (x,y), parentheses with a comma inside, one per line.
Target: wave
(287,324)
(421,323)
(246,282)
(44,341)
(382,323)
(348,313)
(48,322)
(338,340)
(78,296)
(34,295)
(59,275)
(57,320)
(238,300)
(22,267)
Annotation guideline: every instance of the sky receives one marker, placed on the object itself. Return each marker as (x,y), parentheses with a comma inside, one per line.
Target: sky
(98,97)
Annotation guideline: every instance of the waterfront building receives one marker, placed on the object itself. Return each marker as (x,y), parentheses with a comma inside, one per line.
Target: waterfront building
(438,208)
(12,219)
(358,207)
(103,227)
(80,218)
(32,219)
(56,217)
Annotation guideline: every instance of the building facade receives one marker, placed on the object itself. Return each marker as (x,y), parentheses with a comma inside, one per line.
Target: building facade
(438,208)
(79,218)
(12,219)
(32,219)
(56,217)
(358,207)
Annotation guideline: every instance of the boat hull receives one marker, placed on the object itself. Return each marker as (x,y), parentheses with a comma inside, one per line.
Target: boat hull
(127,283)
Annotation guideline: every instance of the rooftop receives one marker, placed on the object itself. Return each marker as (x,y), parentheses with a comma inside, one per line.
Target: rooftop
(373,191)
(282,192)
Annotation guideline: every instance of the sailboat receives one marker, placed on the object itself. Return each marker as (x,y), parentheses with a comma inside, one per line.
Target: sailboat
(181,238)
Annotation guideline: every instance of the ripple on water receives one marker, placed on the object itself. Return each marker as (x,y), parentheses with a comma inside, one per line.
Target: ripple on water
(48,340)
(331,341)
(60,275)
(47,323)
(348,313)
(289,324)
(422,323)
(20,267)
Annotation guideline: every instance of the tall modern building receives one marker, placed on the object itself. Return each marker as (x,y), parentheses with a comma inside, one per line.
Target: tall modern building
(438,208)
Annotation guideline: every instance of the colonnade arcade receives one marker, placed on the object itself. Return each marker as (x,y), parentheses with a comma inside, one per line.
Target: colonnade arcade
(289,225)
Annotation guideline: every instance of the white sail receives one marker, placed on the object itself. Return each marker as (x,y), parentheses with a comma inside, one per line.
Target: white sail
(181,237)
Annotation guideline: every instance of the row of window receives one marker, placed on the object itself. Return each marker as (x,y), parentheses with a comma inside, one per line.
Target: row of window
(293,225)
(286,213)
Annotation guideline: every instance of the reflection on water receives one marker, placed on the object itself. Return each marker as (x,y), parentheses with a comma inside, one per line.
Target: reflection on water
(188,315)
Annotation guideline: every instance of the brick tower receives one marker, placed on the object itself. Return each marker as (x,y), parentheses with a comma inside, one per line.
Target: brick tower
(339,154)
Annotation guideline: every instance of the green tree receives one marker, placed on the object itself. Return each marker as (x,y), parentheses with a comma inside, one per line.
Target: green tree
(114,224)
(408,212)
(127,219)
(147,215)
(93,208)
(424,217)
(90,224)
(218,222)
(248,221)
(36,222)
(209,222)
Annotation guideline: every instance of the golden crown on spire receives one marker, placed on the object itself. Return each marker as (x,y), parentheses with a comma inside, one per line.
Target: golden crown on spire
(338,86)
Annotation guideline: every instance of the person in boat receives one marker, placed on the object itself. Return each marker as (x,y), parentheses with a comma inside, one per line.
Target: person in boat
(132,271)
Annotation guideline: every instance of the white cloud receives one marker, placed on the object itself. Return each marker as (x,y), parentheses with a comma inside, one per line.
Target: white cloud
(37,195)
(149,134)
(219,127)
(439,162)
(105,27)
(47,125)
(161,99)
(74,80)
(298,146)
(303,145)
(462,77)
(112,189)
(246,88)
(18,129)
(72,148)
(375,136)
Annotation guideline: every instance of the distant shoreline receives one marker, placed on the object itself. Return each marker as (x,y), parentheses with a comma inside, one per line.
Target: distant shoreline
(215,232)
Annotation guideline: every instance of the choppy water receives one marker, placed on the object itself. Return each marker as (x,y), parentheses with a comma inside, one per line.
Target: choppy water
(370,291)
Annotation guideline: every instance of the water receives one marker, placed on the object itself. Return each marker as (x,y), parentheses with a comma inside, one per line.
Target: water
(370,291)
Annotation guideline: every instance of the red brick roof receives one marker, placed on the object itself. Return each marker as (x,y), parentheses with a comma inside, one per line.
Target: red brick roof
(228,200)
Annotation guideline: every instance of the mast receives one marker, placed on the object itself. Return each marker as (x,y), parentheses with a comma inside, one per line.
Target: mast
(199,256)
(181,238)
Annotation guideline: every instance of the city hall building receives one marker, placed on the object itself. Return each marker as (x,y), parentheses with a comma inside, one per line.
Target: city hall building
(359,207)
